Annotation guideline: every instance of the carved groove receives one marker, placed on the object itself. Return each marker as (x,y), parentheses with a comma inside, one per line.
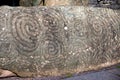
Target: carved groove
(25,30)
(54,43)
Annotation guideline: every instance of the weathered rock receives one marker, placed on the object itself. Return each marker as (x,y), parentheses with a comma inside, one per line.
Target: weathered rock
(51,41)
(66,2)
(6,73)
(29,3)
(109,3)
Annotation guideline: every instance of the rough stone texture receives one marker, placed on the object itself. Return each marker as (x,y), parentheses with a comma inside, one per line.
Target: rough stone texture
(115,4)
(109,3)
(53,2)
(52,41)
(29,3)
(66,2)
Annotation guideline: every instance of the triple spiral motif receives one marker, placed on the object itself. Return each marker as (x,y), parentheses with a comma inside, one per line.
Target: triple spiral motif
(25,30)
(51,20)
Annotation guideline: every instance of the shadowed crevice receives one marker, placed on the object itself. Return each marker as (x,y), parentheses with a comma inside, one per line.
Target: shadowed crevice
(9,2)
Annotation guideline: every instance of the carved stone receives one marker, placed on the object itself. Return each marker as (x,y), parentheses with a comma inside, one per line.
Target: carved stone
(52,41)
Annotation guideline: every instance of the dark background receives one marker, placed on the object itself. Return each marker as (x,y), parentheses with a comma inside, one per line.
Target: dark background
(9,2)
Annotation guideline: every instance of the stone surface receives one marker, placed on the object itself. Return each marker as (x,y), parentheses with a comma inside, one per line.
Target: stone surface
(66,2)
(111,73)
(53,2)
(109,3)
(52,41)
(29,3)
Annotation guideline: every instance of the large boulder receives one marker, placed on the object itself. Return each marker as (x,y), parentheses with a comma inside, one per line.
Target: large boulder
(52,41)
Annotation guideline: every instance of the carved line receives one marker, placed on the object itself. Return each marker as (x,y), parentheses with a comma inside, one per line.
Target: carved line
(25,30)
(51,21)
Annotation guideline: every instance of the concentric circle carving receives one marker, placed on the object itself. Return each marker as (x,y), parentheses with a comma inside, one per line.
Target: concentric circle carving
(54,46)
(52,21)
(25,30)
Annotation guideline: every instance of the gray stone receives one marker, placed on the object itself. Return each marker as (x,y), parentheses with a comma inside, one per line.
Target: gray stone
(52,41)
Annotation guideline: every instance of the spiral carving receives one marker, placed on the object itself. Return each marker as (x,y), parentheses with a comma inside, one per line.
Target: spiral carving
(97,26)
(54,46)
(51,20)
(25,30)
(52,36)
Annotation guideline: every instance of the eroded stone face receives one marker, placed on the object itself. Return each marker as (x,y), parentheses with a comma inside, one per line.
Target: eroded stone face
(51,41)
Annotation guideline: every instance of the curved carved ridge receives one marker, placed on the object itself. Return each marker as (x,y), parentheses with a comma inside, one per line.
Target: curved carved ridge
(25,31)
(51,21)
(59,40)
(54,45)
